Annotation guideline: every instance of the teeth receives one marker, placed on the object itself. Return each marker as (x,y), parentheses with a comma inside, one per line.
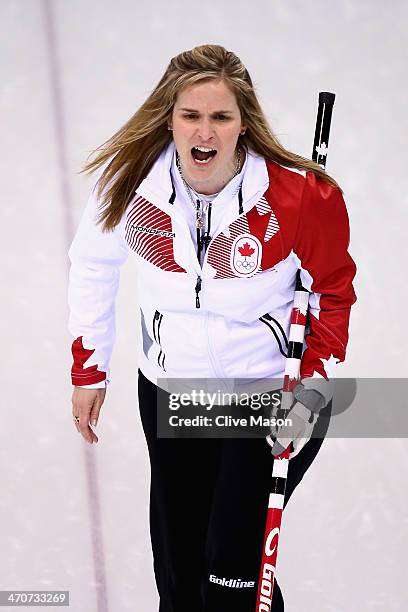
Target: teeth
(204,149)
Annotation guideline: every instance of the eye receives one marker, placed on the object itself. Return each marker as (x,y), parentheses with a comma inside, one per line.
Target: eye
(222,117)
(190,116)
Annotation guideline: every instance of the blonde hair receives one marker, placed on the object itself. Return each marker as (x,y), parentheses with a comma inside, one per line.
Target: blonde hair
(137,145)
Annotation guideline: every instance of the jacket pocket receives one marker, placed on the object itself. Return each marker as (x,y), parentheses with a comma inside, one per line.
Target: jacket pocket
(157,321)
(278,331)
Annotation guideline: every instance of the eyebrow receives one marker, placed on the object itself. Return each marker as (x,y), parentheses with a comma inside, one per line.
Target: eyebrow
(219,112)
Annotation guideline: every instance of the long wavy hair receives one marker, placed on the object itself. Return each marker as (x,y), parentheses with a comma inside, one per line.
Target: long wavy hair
(135,147)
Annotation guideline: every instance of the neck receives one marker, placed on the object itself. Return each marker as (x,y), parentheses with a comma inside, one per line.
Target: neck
(214,184)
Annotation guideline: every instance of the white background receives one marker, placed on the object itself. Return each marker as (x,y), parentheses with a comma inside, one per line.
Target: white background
(76,517)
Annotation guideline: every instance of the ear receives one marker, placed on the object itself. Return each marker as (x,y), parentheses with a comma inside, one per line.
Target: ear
(170,120)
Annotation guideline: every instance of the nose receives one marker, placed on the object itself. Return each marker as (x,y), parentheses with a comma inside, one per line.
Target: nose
(205,129)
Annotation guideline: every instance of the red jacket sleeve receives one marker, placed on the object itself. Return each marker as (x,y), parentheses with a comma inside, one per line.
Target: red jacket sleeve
(327,271)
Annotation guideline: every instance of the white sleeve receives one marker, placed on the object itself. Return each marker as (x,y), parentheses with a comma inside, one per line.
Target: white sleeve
(95,257)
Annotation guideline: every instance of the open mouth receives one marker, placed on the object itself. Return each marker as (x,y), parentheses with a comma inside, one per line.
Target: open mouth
(203,155)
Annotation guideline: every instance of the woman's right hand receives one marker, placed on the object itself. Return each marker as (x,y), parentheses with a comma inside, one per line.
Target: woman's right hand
(86,404)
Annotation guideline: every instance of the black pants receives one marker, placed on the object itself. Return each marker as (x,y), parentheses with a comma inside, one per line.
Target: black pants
(208,504)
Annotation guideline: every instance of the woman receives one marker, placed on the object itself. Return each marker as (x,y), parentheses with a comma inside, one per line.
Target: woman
(220,217)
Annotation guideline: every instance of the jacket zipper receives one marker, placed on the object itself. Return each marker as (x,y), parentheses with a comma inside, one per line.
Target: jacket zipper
(202,242)
(211,353)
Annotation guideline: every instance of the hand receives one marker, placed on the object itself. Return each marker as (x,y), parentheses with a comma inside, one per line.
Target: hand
(302,416)
(86,404)
(298,430)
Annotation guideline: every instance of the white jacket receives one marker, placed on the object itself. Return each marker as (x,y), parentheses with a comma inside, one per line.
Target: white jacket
(229,319)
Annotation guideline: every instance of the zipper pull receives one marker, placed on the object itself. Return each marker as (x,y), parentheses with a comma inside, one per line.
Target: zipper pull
(205,241)
(197,290)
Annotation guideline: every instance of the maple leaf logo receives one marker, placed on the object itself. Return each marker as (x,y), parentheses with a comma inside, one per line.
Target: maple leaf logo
(246,250)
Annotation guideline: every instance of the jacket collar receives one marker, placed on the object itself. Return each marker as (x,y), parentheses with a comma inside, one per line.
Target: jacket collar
(158,187)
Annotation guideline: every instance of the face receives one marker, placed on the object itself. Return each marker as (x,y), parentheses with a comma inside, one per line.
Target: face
(207,115)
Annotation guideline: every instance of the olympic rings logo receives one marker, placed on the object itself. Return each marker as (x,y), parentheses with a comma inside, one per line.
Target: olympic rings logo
(246,265)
